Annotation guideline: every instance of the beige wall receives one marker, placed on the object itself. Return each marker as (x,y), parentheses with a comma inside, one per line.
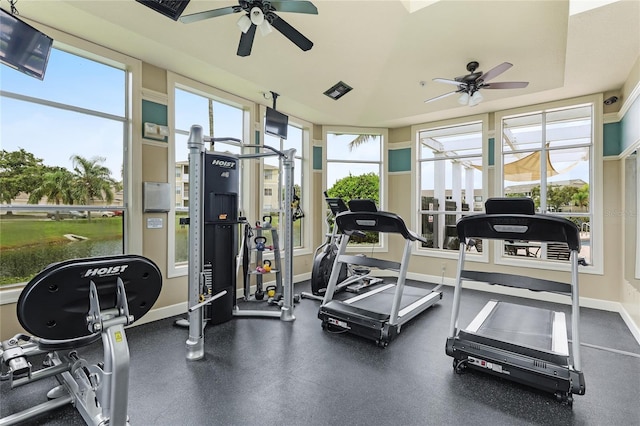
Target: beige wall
(609,287)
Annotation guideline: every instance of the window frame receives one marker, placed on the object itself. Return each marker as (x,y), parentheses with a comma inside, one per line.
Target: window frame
(176,81)
(132,151)
(383,244)
(416,190)
(637,268)
(596,182)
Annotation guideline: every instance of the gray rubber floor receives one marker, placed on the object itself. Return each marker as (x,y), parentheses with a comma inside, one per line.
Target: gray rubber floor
(264,371)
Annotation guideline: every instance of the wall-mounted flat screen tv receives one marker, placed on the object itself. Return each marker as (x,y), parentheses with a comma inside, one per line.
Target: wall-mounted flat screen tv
(23,47)
(275,123)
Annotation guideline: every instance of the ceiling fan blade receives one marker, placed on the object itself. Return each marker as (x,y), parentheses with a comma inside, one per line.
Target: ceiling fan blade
(495,71)
(294,6)
(448,81)
(441,96)
(246,41)
(506,85)
(291,33)
(194,17)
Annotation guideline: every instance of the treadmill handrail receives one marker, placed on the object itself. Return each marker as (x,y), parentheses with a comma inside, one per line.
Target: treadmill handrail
(522,227)
(380,221)
(517,281)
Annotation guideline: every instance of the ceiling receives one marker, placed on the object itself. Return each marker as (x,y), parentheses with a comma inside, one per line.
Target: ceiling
(389,51)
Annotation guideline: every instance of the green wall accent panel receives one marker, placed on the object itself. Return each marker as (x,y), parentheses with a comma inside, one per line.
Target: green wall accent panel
(154,113)
(400,160)
(612,139)
(317,158)
(492,151)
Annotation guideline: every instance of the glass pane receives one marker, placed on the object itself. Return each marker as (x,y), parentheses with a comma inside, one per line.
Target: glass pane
(568,180)
(455,141)
(191,109)
(440,231)
(294,140)
(227,148)
(341,147)
(271,179)
(227,122)
(458,182)
(368,173)
(83,135)
(32,240)
(68,79)
(522,133)
(520,170)
(569,127)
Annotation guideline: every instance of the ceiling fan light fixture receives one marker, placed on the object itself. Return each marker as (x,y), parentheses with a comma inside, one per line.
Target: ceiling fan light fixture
(257,16)
(265,28)
(463,99)
(244,23)
(475,99)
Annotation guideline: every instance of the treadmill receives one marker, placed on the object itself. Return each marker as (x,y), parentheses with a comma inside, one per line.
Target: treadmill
(379,313)
(525,344)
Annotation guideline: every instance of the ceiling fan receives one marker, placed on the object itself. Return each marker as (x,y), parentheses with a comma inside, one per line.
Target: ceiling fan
(261,14)
(470,84)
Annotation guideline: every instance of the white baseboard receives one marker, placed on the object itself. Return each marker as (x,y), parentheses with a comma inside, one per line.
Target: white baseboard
(586,302)
(633,327)
(181,308)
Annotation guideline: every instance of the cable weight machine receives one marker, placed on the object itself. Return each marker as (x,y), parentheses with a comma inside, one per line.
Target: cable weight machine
(213,237)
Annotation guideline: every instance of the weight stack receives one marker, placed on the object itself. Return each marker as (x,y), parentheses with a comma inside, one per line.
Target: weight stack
(221,186)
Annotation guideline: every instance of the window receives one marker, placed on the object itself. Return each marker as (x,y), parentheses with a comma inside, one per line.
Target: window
(548,156)
(221,116)
(450,181)
(273,179)
(58,183)
(354,167)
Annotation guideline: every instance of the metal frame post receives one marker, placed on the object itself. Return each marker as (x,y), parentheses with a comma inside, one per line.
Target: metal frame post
(195,343)
(287,308)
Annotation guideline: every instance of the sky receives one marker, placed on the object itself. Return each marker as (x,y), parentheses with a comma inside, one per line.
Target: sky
(54,135)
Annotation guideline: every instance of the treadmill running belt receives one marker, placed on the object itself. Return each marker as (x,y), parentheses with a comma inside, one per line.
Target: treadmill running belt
(520,325)
(381,302)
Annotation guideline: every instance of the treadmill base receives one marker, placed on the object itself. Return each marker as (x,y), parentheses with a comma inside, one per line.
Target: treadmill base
(561,380)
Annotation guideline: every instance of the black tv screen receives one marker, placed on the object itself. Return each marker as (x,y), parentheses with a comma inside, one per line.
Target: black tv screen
(23,47)
(275,123)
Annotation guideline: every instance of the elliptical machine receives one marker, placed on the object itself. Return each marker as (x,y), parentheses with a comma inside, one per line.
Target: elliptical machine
(352,279)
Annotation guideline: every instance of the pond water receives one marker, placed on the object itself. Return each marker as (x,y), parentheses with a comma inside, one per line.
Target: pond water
(21,264)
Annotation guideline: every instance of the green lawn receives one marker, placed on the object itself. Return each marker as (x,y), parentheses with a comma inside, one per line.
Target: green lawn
(21,232)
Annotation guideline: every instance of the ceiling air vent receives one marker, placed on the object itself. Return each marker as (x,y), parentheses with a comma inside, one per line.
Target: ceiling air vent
(338,90)
(170,8)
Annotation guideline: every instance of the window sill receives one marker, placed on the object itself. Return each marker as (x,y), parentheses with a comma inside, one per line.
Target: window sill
(10,295)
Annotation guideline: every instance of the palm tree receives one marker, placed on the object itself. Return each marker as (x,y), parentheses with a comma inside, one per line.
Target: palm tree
(581,198)
(93,181)
(56,186)
(360,140)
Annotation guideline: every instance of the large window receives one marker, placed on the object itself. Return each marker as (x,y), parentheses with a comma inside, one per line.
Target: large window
(218,119)
(548,156)
(63,174)
(354,167)
(450,173)
(273,180)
